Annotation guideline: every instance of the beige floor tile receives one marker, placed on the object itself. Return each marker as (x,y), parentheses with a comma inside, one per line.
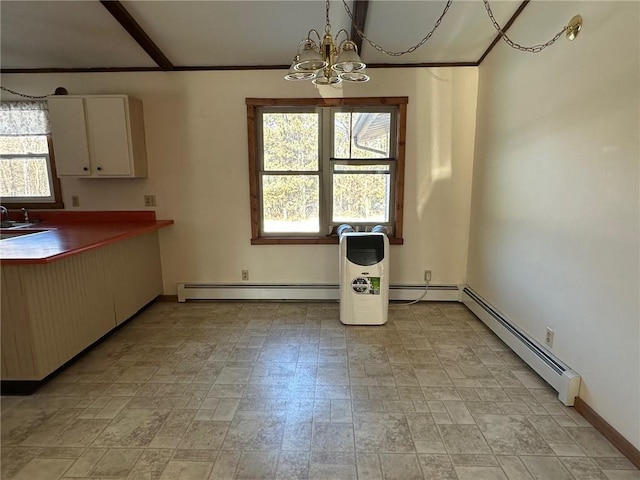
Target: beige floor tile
(424,432)
(400,466)
(205,435)
(15,458)
(225,466)
(150,464)
(116,462)
(614,463)
(583,468)
(383,433)
(83,466)
(463,439)
(437,467)
(466,459)
(368,466)
(459,413)
(284,390)
(196,455)
(332,465)
(622,474)
(44,469)
(255,431)
(567,450)
(592,442)
(514,468)
(257,466)
(132,428)
(511,435)
(542,467)
(332,437)
(482,473)
(180,470)
(292,466)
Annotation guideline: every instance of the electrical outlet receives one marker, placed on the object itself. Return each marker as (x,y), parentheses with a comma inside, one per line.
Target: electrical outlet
(75,201)
(149,200)
(245,274)
(427,275)
(548,339)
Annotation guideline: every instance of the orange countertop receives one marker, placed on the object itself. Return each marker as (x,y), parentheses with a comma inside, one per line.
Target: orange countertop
(59,236)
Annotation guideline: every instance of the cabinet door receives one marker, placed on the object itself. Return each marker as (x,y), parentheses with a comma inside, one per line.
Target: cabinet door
(69,136)
(109,136)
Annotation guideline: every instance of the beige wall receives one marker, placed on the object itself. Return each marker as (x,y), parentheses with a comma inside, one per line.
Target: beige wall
(555,218)
(197,150)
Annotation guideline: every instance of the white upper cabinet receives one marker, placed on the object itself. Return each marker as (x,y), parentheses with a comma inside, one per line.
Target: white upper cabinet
(98,136)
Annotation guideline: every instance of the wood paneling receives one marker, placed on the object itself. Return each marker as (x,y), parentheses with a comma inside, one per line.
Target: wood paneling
(51,312)
(17,359)
(69,307)
(134,272)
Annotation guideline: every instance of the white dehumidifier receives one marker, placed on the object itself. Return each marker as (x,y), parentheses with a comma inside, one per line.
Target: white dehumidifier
(364,276)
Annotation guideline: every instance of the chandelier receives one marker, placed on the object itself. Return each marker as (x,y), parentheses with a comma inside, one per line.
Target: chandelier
(327,62)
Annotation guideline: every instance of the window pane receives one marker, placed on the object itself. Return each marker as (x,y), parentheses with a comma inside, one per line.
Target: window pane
(291,203)
(290,141)
(361,198)
(362,135)
(26,144)
(24,177)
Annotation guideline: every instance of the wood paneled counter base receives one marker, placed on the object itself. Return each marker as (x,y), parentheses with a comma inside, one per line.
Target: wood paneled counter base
(64,289)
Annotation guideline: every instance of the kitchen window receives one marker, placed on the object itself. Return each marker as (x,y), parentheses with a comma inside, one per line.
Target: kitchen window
(317,163)
(27,169)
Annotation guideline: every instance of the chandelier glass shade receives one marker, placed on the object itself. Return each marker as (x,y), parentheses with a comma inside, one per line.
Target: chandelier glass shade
(327,62)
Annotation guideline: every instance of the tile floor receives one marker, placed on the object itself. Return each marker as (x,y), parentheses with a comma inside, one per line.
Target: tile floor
(285,391)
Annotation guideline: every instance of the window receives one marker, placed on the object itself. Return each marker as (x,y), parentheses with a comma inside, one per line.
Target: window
(27,170)
(318,163)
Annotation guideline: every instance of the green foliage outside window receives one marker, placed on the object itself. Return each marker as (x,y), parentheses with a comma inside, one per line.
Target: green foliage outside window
(291,143)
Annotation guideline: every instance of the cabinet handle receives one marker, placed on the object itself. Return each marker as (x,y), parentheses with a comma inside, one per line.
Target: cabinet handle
(99,168)
(85,169)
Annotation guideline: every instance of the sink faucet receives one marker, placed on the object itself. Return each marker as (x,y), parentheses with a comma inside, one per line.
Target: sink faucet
(26,215)
(3,211)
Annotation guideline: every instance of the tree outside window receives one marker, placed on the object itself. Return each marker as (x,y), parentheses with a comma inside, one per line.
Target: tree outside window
(315,164)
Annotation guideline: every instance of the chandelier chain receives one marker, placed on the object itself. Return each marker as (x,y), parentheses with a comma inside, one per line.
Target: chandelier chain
(35,97)
(327,25)
(511,43)
(408,50)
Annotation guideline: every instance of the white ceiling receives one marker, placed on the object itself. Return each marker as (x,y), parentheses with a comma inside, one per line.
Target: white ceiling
(208,34)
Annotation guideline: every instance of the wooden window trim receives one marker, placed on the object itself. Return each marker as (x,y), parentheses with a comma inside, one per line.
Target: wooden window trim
(57,189)
(252,107)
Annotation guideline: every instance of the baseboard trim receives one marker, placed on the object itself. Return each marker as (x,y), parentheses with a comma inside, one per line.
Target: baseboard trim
(610,433)
(552,370)
(167,298)
(304,292)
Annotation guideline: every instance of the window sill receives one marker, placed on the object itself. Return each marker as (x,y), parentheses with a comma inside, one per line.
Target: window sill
(328,240)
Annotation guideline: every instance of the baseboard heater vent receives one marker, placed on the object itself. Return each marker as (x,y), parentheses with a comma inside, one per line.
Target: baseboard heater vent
(313,292)
(564,380)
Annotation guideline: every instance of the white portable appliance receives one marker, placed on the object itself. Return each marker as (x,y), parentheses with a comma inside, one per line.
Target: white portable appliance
(364,276)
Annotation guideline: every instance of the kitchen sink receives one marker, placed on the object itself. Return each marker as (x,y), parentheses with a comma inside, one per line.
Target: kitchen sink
(14,224)
(8,233)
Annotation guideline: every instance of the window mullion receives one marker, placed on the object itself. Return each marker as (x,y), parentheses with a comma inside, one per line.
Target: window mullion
(326,147)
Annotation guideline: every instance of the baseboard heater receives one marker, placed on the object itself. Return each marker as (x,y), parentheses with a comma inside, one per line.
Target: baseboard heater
(312,292)
(564,380)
